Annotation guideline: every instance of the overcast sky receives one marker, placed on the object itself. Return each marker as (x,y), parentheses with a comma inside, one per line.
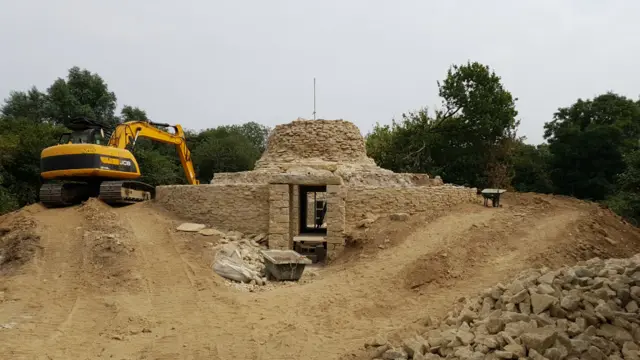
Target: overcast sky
(207,63)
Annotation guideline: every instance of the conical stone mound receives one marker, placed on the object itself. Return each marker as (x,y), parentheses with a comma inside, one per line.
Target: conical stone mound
(314,143)
(320,152)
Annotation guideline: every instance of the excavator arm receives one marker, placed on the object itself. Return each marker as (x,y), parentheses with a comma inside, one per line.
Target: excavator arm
(127,134)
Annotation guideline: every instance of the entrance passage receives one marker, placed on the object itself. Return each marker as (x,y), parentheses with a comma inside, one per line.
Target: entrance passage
(313,208)
(311,239)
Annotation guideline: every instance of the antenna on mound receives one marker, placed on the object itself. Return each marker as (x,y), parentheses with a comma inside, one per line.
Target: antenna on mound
(314,98)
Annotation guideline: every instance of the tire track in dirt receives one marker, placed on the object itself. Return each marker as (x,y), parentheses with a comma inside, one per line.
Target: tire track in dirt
(150,277)
(49,290)
(465,269)
(172,290)
(339,310)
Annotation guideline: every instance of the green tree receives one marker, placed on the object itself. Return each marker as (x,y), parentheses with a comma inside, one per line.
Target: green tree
(224,149)
(32,105)
(8,201)
(33,120)
(21,141)
(626,202)
(81,94)
(8,144)
(486,121)
(531,168)
(158,167)
(468,141)
(587,142)
(381,146)
(130,113)
(256,134)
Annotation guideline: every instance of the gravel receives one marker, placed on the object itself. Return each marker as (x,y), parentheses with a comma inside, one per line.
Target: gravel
(589,311)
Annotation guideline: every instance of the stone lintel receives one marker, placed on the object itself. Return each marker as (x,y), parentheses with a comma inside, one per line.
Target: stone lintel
(294,179)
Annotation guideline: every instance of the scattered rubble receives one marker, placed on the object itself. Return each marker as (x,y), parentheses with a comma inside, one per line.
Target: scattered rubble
(399,217)
(365,223)
(240,261)
(589,311)
(10,325)
(239,258)
(191,227)
(211,232)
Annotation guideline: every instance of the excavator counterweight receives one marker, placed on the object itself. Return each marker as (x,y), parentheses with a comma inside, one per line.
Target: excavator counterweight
(85,164)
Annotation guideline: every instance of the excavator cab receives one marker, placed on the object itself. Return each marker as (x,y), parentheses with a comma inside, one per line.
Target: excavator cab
(88,136)
(84,131)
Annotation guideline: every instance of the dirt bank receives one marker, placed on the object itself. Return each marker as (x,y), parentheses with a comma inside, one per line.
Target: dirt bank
(121,283)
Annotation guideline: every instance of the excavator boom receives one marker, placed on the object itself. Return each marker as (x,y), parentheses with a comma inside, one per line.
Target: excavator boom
(128,133)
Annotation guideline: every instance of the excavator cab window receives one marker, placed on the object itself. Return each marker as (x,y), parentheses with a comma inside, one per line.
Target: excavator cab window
(89,136)
(97,137)
(65,138)
(81,137)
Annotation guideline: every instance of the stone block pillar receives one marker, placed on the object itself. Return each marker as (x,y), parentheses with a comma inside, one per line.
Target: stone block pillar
(335,217)
(279,203)
(294,204)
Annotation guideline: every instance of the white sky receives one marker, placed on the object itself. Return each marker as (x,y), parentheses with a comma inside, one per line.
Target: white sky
(207,63)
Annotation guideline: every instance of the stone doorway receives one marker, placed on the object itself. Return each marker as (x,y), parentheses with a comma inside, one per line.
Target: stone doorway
(293,217)
(311,237)
(312,210)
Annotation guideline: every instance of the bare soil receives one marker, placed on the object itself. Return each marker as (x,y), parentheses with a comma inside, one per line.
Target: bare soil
(93,281)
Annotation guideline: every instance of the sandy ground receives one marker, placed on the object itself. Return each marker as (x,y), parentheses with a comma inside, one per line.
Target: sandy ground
(92,282)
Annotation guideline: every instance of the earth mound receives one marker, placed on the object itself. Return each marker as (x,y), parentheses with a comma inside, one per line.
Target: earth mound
(122,282)
(108,241)
(18,241)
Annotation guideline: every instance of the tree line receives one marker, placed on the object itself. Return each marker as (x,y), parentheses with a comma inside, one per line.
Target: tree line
(32,120)
(591,149)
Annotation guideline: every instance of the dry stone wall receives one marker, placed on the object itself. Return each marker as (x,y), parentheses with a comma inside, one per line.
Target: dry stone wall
(279,220)
(363,200)
(294,206)
(244,208)
(327,175)
(273,208)
(309,152)
(336,211)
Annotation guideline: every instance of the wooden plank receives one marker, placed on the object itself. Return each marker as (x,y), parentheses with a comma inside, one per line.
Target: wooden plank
(310,238)
(493,191)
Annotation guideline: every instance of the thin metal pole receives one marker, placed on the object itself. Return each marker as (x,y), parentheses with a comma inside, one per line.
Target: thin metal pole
(314,98)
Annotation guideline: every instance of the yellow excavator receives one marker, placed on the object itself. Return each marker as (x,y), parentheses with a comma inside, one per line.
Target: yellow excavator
(86,163)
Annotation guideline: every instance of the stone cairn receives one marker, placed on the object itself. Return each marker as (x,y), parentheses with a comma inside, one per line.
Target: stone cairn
(589,311)
(321,151)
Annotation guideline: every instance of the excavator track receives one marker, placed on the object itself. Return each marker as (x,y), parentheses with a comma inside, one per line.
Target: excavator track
(66,194)
(125,192)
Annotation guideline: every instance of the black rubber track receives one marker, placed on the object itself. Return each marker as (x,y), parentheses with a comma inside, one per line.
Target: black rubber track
(110,191)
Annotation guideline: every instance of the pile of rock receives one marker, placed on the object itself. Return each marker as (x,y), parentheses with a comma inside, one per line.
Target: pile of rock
(589,311)
(251,254)
(239,256)
(249,248)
